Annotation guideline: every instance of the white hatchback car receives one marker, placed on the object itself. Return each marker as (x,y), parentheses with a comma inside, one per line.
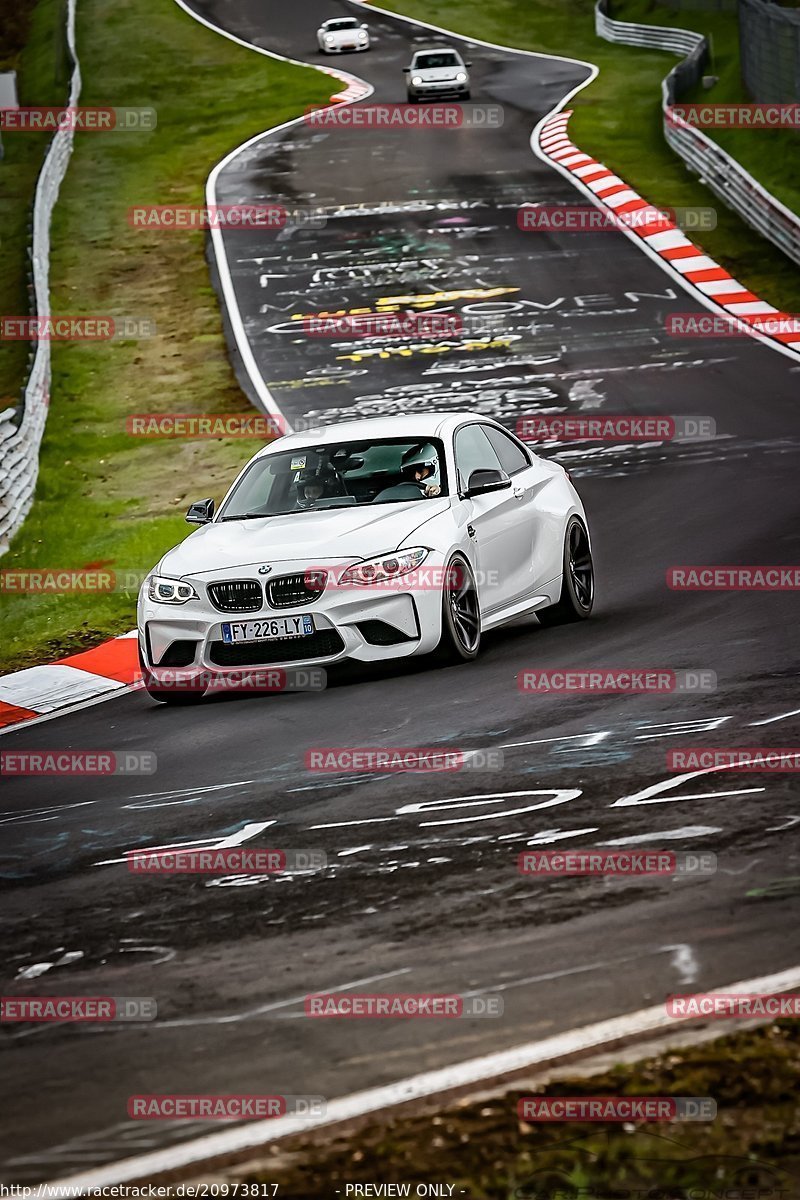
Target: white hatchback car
(368,540)
(342,33)
(437,75)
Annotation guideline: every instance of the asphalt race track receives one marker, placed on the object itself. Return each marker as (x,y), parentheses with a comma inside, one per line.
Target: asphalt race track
(421,891)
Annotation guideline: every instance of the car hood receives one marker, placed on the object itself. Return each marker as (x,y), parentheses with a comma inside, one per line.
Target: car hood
(437,74)
(324,536)
(342,35)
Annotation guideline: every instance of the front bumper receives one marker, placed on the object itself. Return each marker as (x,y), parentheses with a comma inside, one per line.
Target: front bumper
(449,90)
(349,48)
(363,624)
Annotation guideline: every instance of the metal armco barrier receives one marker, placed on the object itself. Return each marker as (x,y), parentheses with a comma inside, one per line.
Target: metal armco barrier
(22,428)
(769,47)
(717,169)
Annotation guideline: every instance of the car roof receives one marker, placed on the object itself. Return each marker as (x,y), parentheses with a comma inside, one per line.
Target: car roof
(437,50)
(336,20)
(418,426)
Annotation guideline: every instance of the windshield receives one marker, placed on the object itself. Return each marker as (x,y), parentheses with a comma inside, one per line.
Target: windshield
(345,23)
(428,61)
(339,475)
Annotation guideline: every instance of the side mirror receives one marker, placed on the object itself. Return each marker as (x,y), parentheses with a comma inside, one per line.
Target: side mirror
(201,512)
(486,480)
(406,70)
(468,62)
(364,25)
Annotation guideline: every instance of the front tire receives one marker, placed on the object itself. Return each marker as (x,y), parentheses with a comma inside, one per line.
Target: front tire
(461,615)
(577,588)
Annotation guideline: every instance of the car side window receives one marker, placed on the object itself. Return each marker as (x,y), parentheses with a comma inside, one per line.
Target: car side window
(474,452)
(512,457)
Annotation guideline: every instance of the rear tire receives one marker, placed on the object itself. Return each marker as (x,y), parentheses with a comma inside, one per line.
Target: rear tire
(461,615)
(577,588)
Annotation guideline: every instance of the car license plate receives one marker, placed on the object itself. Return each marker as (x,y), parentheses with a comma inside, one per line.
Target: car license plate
(270,630)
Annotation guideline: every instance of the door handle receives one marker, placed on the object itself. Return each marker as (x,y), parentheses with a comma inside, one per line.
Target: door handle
(471,530)
(519,493)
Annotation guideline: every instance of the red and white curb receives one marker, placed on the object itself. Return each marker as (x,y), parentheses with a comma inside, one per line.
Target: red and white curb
(356,89)
(700,275)
(93,674)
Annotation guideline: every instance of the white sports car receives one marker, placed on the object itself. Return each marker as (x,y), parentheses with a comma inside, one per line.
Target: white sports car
(342,33)
(437,74)
(373,539)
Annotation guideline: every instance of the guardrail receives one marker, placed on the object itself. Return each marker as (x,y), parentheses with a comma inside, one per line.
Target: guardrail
(717,169)
(22,428)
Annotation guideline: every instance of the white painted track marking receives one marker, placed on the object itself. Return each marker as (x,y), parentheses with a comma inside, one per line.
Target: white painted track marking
(251,1137)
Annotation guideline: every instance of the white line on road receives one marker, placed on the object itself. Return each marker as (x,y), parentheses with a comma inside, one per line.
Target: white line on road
(251,1137)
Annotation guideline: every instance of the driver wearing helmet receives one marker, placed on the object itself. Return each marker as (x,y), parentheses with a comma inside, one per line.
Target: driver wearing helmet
(311,487)
(419,464)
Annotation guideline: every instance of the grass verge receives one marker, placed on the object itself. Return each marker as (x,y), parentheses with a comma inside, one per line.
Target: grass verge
(485,1152)
(772,156)
(105,497)
(617,119)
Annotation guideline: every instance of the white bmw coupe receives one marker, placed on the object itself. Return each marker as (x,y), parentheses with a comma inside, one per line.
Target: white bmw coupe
(342,33)
(373,539)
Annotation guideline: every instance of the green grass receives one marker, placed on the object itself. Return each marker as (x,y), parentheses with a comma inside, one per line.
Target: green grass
(33,44)
(617,119)
(105,497)
(772,156)
(482,1149)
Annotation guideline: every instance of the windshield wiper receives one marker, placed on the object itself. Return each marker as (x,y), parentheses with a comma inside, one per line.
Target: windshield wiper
(248,516)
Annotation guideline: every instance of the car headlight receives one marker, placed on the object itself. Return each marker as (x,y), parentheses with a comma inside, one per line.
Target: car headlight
(170,591)
(417,79)
(363,35)
(388,566)
(329,37)
(461,77)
